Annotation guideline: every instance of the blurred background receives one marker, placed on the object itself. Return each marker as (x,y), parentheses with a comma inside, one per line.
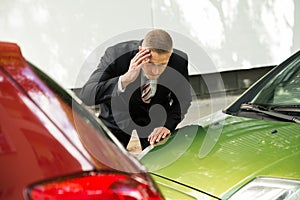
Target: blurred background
(234,40)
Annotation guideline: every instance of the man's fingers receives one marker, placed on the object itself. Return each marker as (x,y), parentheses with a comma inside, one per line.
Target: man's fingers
(141,56)
(158,137)
(152,139)
(144,58)
(165,134)
(152,136)
(158,134)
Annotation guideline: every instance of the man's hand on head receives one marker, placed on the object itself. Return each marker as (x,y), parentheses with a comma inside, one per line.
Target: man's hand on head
(143,56)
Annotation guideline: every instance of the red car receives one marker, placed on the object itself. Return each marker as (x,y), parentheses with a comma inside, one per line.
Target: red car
(51,147)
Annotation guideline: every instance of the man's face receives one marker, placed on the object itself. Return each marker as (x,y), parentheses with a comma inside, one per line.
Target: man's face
(156,66)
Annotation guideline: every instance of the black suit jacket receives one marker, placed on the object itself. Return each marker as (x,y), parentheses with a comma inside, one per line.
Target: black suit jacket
(127,110)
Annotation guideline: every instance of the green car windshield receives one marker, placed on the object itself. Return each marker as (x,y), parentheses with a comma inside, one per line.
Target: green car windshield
(283,89)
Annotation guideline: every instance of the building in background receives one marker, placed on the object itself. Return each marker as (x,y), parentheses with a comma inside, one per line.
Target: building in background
(226,40)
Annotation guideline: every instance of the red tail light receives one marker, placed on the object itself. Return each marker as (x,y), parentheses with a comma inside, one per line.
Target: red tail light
(94,186)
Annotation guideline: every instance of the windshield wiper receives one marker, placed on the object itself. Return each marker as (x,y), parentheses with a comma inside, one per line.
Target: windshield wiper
(286,108)
(264,110)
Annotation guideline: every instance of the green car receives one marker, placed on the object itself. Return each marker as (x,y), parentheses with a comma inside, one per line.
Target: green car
(251,150)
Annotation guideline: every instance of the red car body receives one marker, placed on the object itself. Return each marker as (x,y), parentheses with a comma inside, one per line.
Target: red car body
(51,147)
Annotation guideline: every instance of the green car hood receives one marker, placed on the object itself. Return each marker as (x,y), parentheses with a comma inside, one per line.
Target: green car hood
(221,157)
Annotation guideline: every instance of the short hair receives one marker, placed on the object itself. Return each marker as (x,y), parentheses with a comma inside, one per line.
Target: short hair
(159,41)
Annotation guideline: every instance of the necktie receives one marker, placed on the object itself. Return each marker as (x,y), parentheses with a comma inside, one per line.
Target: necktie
(146,93)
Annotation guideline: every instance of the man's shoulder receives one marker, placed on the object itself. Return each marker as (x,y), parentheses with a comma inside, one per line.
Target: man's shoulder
(179,61)
(123,50)
(126,46)
(179,54)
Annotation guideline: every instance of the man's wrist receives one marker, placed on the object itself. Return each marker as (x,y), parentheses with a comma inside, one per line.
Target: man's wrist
(121,88)
(124,82)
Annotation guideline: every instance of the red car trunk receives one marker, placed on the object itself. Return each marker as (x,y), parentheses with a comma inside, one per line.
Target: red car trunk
(50,146)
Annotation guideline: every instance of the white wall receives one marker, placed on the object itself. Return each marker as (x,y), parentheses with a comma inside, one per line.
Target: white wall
(66,38)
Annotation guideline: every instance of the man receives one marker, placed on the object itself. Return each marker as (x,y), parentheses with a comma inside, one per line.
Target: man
(142,86)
